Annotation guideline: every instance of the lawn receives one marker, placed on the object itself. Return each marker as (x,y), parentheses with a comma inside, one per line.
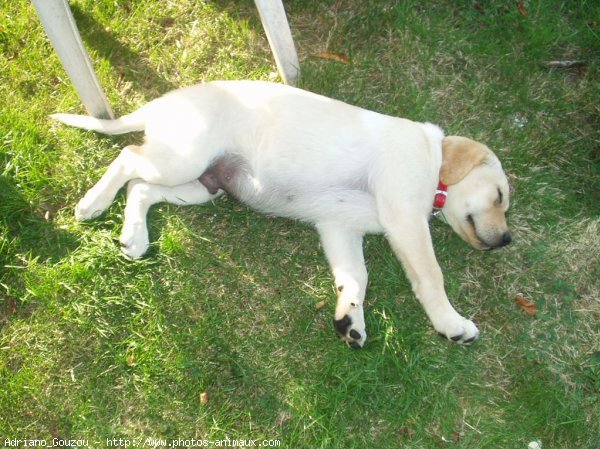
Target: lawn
(216,334)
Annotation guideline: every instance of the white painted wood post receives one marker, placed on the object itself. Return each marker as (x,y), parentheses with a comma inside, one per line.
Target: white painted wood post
(59,24)
(274,20)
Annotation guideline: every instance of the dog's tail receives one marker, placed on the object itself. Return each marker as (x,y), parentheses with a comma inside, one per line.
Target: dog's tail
(126,124)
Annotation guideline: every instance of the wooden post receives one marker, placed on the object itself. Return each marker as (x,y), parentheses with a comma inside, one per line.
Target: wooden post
(59,24)
(280,38)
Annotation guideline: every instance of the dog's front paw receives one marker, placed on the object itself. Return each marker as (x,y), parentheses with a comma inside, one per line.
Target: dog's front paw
(351,328)
(134,240)
(86,210)
(458,329)
(91,206)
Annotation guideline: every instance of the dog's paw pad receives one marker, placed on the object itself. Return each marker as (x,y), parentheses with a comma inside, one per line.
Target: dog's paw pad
(354,334)
(341,326)
(462,331)
(353,337)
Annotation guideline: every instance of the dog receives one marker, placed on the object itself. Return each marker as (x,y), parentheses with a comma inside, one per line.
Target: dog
(288,152)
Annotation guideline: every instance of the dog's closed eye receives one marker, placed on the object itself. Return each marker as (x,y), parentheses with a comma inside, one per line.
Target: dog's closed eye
(470,220)
(500,198)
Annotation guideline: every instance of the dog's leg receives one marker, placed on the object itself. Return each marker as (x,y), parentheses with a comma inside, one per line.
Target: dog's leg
(99,197)
(411,241)
(343,248)
(140,196)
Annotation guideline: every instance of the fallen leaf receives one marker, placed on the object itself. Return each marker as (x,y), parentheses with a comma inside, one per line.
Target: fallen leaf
(526,305)
(320,305)
(522,8)
(204,398)
(337,57)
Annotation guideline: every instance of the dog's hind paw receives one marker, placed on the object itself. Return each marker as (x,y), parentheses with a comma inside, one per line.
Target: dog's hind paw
(134,240)
(349,332)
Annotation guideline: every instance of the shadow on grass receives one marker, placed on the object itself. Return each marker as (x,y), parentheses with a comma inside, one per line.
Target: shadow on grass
(27,231)
(132,66)
(25,234)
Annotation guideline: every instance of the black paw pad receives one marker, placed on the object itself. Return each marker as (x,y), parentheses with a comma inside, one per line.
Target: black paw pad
(353,337)
(341,326)
(457,338)
(355,334)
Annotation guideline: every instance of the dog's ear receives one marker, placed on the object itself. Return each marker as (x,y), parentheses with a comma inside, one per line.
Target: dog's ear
(459,156)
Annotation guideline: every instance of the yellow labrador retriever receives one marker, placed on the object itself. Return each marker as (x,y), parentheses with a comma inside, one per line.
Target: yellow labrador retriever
(292,153)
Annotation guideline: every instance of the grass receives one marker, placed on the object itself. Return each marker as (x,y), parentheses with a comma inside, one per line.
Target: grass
(93,346)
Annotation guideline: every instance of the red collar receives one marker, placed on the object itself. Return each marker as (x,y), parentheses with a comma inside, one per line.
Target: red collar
(440,196)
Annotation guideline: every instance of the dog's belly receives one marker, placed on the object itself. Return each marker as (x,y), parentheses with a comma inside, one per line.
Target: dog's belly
(302,198)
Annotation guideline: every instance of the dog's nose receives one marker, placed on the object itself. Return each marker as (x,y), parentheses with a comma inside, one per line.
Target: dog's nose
(502,240)
(505,239)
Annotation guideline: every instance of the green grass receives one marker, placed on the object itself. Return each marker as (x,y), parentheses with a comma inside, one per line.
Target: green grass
(93,346)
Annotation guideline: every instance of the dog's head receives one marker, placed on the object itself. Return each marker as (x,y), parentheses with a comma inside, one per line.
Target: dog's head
(478,194)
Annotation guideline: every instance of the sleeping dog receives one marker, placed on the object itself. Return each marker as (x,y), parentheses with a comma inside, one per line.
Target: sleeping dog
(288,152)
